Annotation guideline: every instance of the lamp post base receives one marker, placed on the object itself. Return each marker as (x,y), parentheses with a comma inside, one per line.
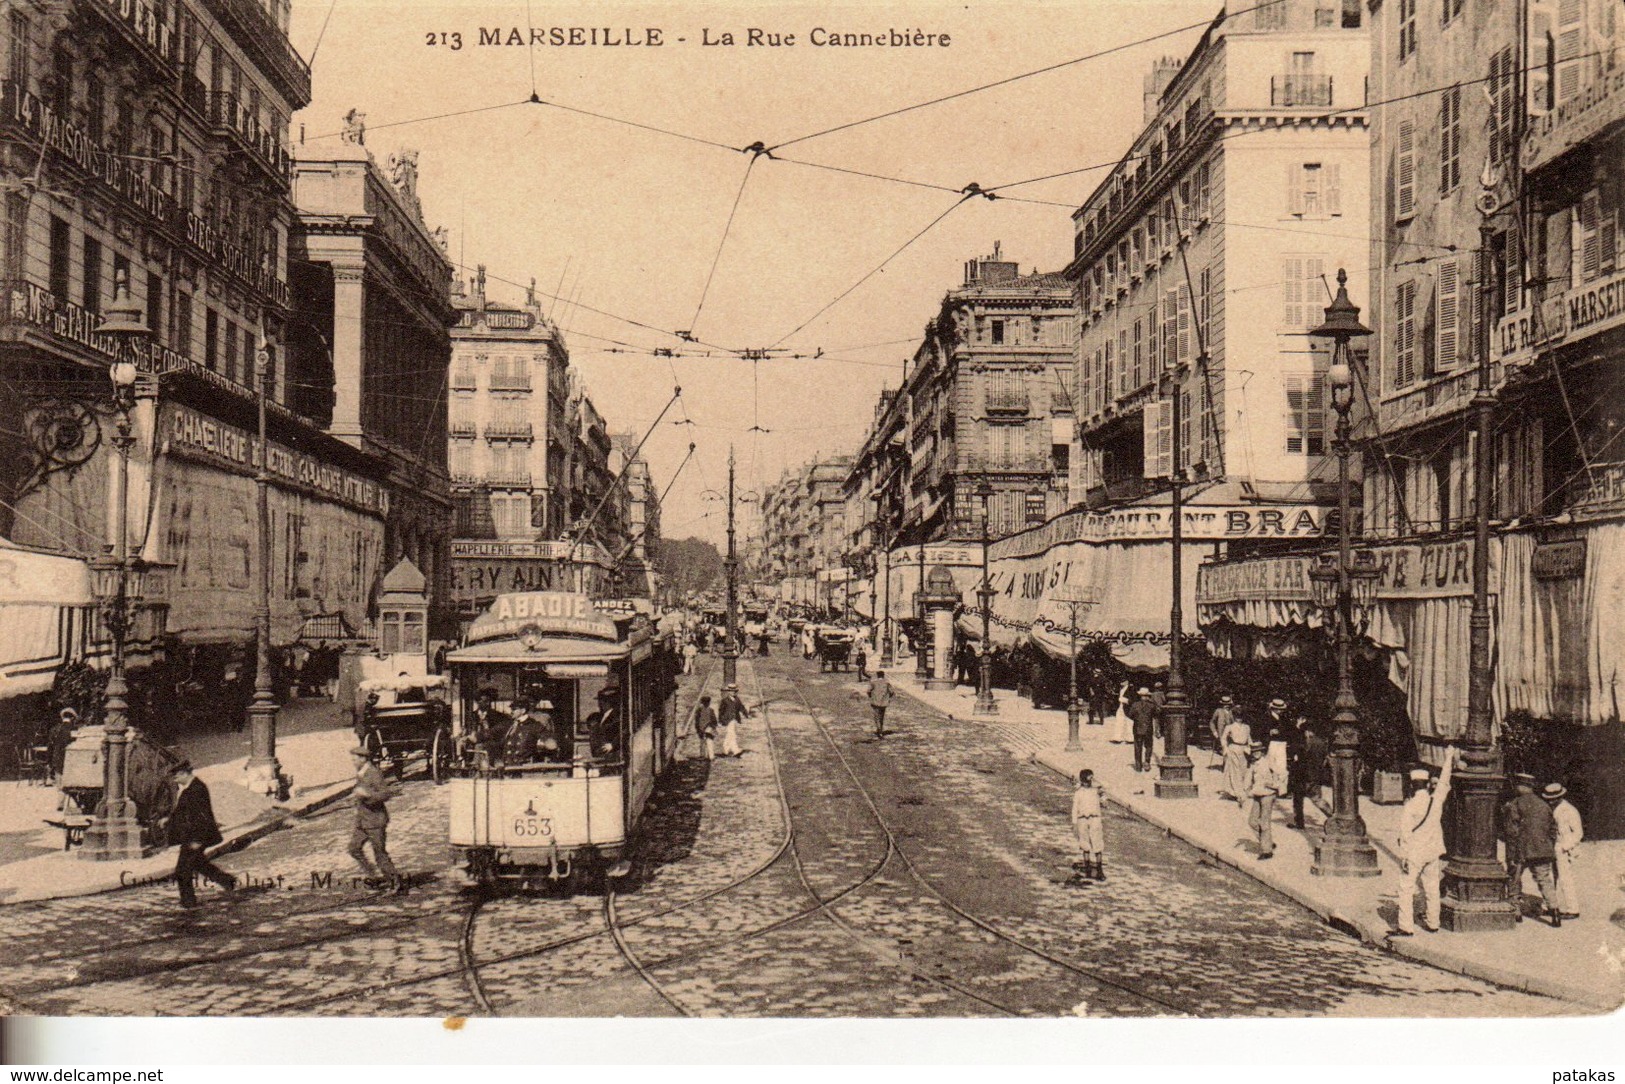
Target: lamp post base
(1073,745)
(115,839)
(937,684)
(985,706)
(1344,856)
(263,776)
(1175,778)
(1475,898)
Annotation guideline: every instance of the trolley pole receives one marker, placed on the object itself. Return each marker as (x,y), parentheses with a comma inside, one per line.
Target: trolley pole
(730,646)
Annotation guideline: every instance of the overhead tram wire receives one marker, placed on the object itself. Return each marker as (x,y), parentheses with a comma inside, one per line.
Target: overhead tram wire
(723,243)
(960,202)
(314,49)
(1223,16)
(425,120)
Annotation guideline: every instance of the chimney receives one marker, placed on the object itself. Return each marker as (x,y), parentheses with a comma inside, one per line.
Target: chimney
(991,270)
(1162,73)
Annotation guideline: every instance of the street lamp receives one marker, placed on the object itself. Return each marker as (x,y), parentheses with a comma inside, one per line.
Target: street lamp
(1475,886)
(1343,849)
(922,656)
(1072,598)
(888,657)
(115,833)
(985,704)
(263,770)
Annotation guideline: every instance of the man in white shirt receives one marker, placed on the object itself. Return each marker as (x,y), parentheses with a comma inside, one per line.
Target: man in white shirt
(1421,847)
(1570,832)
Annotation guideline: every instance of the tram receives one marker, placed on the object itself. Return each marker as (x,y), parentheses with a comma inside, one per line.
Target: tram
(562,716)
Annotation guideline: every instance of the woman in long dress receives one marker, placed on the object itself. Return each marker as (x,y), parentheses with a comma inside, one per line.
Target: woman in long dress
(1120,728)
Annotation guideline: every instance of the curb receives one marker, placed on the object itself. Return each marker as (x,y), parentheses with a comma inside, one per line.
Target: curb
(234,841)
(1371,932)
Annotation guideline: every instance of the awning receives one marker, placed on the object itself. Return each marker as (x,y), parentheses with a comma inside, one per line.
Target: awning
(47,617)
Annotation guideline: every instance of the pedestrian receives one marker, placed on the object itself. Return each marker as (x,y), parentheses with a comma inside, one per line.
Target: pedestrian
(880,696)
(1533,829)
(1100,691)
(1301,775)
(729,713)
(192,826)
(860,658)
(1143,713)
(807,641)
(1159,697)
(1222,717)
(1089,826)
(1274,736)
(1264,785)
(372,795)
(1421,848)
(1237,740)
(1120,728)
(60,737)
(691,651)
(705,727)
(1317,756)
(1570,832)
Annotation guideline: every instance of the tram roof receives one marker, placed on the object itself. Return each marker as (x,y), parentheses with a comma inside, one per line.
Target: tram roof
(542,649)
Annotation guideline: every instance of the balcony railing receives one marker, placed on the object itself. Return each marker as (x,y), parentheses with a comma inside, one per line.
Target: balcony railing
(256,31)
(508,479)
(463,380)
(229,115)
(510,383)
(508,431)
(1290,91)
(1600,489)
(1008,402)
(460,428)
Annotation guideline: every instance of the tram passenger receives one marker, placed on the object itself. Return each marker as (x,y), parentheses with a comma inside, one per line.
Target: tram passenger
(528,739)
(487,726)
(603,725)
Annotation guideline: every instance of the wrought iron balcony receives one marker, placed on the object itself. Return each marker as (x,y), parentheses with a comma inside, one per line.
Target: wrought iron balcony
(1008,402)
(255,30)
(508,479)
(460,427)
(1290,91)
(508,430)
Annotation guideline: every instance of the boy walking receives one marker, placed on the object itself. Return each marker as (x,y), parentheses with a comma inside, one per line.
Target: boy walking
(880,696)
(1089,826)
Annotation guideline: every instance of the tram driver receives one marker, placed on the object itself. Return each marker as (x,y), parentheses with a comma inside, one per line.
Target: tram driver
(529,738)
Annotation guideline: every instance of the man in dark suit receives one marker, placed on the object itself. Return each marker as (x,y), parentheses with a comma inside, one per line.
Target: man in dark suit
(193,827)
(371,822)
(487,725)
(1144,714)
(529,739)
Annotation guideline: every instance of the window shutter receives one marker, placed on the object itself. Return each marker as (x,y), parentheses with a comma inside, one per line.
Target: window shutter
(1111,376)
(1294,414)
(1139,355)
(1590,237)
(1570,46)
(1608,231)
(1292,284)
(1294,188)
(1405,335)
(1153,342)
(1447,323)
(1315,416)
(1158,435)
(1405,171)
(1184,317)
(1123,387)
(1170,327)
(1512,281)
(1331,186)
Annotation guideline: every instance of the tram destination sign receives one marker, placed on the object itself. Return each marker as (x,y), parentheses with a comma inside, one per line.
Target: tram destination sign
(543,613)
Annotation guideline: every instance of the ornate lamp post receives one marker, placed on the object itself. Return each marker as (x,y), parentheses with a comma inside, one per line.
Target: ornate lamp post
(1342,849)
(115,833)
(985,704)
(1072,598)
(264,772)
(730,646)
(888,657)
(1475,885)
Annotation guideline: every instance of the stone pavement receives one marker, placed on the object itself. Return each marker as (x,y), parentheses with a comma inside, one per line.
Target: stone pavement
(313,741)
(1583,961)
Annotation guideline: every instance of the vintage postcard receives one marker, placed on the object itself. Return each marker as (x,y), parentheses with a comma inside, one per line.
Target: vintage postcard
(1110,509)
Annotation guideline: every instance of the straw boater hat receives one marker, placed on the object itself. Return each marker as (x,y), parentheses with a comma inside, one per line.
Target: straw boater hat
(68,713)
(1227,699)
(1525,778)
(1144,691)
(1277,704)
(1420,775)
(1553,791)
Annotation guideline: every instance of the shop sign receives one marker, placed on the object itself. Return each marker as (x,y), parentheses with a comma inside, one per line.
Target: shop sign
(187,433)
(1413,571)
(1564,560)
(1148,524)
(1604,489)
(1597,306)
(544,613)
(35,305)
(1582,117)
(968,556)
(482,580)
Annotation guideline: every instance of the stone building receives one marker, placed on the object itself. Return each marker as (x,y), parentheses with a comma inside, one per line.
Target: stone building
(372,286)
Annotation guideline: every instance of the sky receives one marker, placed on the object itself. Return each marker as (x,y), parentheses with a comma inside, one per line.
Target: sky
(680,230)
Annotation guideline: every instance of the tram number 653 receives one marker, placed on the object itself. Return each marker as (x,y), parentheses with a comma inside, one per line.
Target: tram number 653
(533,826)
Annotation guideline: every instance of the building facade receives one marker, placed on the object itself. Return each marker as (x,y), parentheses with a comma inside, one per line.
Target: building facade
(508,431)
(1204,259)
(146,147)
(373,289)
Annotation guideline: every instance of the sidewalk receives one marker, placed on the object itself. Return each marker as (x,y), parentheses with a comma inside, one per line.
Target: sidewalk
(313,743)
(1583,961)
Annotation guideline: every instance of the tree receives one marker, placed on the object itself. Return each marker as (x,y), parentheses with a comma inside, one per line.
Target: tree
(687,565)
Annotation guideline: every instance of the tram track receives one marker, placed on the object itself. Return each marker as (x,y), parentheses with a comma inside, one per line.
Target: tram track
(919,878)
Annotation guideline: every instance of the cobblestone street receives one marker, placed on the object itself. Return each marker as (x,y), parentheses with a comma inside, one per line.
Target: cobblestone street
(823,873)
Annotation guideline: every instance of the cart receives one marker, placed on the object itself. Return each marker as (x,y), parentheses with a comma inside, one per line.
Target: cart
(834,648)
(401,717)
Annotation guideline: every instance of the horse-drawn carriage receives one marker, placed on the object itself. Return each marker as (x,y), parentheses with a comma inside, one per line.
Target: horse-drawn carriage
(401,717)
(833,647)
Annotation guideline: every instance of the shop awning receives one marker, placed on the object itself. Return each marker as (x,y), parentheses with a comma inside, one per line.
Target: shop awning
(47,617)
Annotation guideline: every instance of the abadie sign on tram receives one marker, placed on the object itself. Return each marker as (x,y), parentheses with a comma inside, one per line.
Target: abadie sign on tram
(545,613)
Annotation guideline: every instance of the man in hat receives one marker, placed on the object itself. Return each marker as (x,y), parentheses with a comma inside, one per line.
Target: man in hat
(487,725)
(1143,712)
(705,727)
(528,738)
(1421,849)
(372,795)
(729,712)
(1532,836)
(604,725)
(880,698)
(192,826)
(1570,832)
(1274,736)
(1222,717)
(60,737)
(1264,785)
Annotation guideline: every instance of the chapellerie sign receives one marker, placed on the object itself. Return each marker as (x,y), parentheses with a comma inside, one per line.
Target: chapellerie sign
(187,433)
